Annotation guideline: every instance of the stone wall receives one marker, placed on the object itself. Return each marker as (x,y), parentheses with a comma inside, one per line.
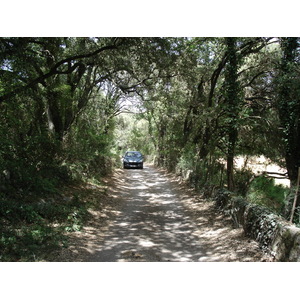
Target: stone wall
(273,233)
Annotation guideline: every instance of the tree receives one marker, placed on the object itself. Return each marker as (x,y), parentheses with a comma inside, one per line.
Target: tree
(232,102)
(288,89)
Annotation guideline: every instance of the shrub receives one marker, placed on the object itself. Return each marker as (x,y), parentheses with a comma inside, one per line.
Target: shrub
(27,230)
(242,180)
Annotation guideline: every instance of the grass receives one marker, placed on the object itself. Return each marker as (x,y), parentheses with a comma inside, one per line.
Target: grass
(264,192)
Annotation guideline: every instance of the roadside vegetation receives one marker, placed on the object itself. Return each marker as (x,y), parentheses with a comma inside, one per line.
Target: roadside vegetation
(70,107)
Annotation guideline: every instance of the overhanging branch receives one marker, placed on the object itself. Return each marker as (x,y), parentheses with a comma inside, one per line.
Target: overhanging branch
(55,70)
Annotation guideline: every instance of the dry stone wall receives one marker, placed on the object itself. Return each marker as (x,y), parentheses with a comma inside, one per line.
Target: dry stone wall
(273,233)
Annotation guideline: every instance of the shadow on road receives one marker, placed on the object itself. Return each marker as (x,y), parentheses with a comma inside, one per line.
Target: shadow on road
(154,218)
(159,222)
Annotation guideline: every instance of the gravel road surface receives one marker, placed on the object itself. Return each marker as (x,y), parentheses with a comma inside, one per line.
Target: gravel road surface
(163,221)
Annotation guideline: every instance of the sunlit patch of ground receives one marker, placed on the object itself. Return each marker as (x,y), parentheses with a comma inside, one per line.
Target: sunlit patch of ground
(260,164)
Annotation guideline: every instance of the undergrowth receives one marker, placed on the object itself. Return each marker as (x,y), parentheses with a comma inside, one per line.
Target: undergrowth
(264,192)
(32,228)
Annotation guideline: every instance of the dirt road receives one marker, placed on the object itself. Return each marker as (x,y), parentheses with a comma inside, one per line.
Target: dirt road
(161,220)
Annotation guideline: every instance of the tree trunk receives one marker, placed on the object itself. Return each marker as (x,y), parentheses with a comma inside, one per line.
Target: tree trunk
(230,159)
(231,105)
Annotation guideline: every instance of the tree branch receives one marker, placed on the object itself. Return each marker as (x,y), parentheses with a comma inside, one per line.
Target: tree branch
(55,70)
(214,78)
(254,78)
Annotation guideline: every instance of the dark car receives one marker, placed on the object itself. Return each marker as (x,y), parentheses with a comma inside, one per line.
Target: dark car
(133,159)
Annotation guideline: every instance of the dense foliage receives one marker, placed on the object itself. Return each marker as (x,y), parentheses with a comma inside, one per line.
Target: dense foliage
(193,105)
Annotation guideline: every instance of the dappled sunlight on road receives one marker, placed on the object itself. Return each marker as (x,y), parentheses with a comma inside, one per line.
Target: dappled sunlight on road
(152,226)
(155,224)
(160,220)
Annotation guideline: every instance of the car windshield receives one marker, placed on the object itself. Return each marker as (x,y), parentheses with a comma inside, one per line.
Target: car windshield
(133,154)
